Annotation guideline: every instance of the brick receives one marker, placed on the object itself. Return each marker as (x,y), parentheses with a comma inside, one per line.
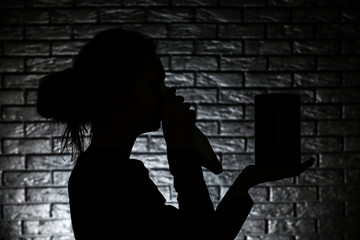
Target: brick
(218,15)
(236,161)
(194,2)
(241,3)
(47,227)
(25,146)
(198,95)
(11,130)
(152,160)
(253,226)
(60,210)
(243,63)
(267,47)
(44,129)
(315,15)
(212,79)
(27,178)
(351,78)
(267,80)
(25,16)
(352,143)
(291,226)
(341,95)
(352,208)
(306,47)
(10,162)
(308,128)
(226,178)
(157,144)
(336,31)
(48,64)
(291,63)
(339,224)
(293,194)
(179,15)
(49,3)
(8,196)
(338,63)
(349,15)
(26,49)
(153,30)
(237,128)
(47,32)
(22,80)
(11,33)
(317,79)
(11,65)
(339,128)
(336,160)
(98,3)
(40,162)
(339,193)
(321,144)
(337,3)
(352,176)
(122,15)
(259,194)
(319,209)
(161,177)
(248,31)
(10,229)
(270,237)
(208,128)
(218,112)
(193,63)
(227,144)
(12,3)
(351,111)
(321,176)
(219,47)
(181,79)
(175,47)
(319,112)
(292,3)
(35,195)
(289,31)
(61,178)
(267,15)
(11,97)
(197,31)
(74,16)
(14,212)
(306,96)
(66,47)
(238,96)
(271,210)
(26,113)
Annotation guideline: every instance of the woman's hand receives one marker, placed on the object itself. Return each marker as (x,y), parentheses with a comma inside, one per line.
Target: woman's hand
(178,120)
(253,175)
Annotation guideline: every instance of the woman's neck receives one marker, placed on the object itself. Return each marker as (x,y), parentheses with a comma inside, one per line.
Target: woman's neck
(118,140)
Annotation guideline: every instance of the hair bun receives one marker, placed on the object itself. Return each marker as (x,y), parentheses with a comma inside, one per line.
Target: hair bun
(55,95)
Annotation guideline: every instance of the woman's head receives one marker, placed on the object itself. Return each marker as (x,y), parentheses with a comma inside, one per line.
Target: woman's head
(105,76)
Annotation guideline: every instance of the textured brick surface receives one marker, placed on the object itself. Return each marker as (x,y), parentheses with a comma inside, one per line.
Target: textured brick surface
(219,54)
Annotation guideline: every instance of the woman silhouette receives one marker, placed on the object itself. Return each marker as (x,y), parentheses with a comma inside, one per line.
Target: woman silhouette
(115,86)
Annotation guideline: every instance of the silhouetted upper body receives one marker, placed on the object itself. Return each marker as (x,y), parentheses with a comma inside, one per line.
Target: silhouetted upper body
(114,88)
(121,201)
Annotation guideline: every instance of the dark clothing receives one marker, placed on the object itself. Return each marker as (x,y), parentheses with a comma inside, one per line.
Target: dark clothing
(116,199)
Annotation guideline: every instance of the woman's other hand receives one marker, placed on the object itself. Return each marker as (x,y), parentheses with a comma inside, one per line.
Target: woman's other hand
(253,175)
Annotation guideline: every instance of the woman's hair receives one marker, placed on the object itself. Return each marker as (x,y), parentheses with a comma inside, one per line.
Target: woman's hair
(74,95)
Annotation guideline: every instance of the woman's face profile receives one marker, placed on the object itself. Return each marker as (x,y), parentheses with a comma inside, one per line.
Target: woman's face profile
(146,96)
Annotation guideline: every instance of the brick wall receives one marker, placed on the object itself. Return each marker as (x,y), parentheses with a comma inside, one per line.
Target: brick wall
(219,53)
